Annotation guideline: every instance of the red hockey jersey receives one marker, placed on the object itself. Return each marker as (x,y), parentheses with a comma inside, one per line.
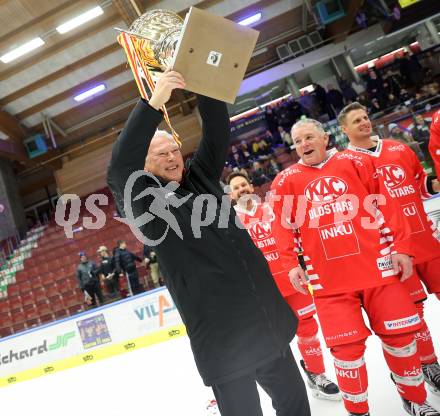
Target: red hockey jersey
(405,179)
(434,141)
(258,222)
(343,235)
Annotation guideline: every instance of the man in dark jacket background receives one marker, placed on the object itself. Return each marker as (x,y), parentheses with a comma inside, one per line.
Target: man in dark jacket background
(125,263)
(237,322)
(107,272)
(87,275)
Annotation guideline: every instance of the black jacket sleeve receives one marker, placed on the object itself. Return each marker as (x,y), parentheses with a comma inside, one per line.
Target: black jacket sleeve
(131,148)
(79,278)
(137,258)
(118,268)
(213,148)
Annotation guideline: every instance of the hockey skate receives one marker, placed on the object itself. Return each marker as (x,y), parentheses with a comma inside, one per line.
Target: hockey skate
(415,409)
(212,408)
(320,386)
(431,374)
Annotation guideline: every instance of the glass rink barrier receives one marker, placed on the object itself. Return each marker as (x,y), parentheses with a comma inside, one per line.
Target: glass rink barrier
(133,358)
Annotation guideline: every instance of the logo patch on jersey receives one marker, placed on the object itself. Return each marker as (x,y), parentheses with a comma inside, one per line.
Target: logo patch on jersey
(384,263)
(397,148)
(339,240)
(402,323)
(325,189)
(412,214)
(260,230)
(393,175)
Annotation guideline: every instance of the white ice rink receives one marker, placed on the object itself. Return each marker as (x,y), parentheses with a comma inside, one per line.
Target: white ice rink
(162,380)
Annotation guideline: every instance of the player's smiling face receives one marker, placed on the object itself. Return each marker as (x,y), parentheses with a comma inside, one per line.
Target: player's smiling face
(357,125)
(240,187)
(310,143)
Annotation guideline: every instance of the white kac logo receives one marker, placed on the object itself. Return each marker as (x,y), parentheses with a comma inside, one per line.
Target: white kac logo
(325,189)
(260,230)
(393,175)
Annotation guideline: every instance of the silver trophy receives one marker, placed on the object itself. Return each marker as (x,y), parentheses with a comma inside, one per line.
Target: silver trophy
(160,31)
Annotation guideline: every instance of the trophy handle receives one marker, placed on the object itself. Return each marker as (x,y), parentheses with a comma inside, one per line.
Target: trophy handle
(132,33)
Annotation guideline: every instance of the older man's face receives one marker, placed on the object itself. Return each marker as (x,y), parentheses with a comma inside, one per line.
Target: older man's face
(310,144)
(164,158)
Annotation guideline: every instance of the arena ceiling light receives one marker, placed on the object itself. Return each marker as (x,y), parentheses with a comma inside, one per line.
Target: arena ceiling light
(250,20)
(89,92)
(80,20)
(22,50)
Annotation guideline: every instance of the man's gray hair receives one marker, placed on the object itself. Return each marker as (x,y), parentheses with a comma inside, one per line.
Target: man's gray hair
(305,121)
(163,133)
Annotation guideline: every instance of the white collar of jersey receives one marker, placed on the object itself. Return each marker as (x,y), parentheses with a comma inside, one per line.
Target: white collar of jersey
(251,211)
(330,153)
(376,153)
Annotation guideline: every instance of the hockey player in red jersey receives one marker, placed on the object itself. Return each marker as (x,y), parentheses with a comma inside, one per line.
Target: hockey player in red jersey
(434,141)
(356,255)
(257,218)
(408,184)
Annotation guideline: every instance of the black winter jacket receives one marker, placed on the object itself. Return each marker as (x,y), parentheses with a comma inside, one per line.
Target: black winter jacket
(125,260)
(235,317)
(86,273)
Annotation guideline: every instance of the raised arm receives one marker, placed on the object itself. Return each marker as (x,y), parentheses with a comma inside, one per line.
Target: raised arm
(213,148)
(131,148)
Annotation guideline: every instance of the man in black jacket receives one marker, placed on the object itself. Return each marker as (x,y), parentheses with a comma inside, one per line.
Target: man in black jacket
(125,263)
(107,272)
(237,322)
(87,275)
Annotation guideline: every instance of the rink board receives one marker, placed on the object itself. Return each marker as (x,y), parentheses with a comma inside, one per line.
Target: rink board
(127,325)
(124,326)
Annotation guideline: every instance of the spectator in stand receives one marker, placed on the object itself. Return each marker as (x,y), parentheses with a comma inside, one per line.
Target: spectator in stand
(420,133)
(271,139)
(285,117)
(350,95)
(271,119)
(375,106)
(392,100)
(245,150)
(321,95)
(296,111)
(400,135)
(432,63)
(107,273)
(273,169)
(335,98)
(375,87)
(125,263)
(87,275)
(285,137)
(359,87)
(236,156)
(151,260)
(392,83)
(309,103)
(234,160)
(363,100)
(263,147)
(404,95)
(258,175)
(411,70)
